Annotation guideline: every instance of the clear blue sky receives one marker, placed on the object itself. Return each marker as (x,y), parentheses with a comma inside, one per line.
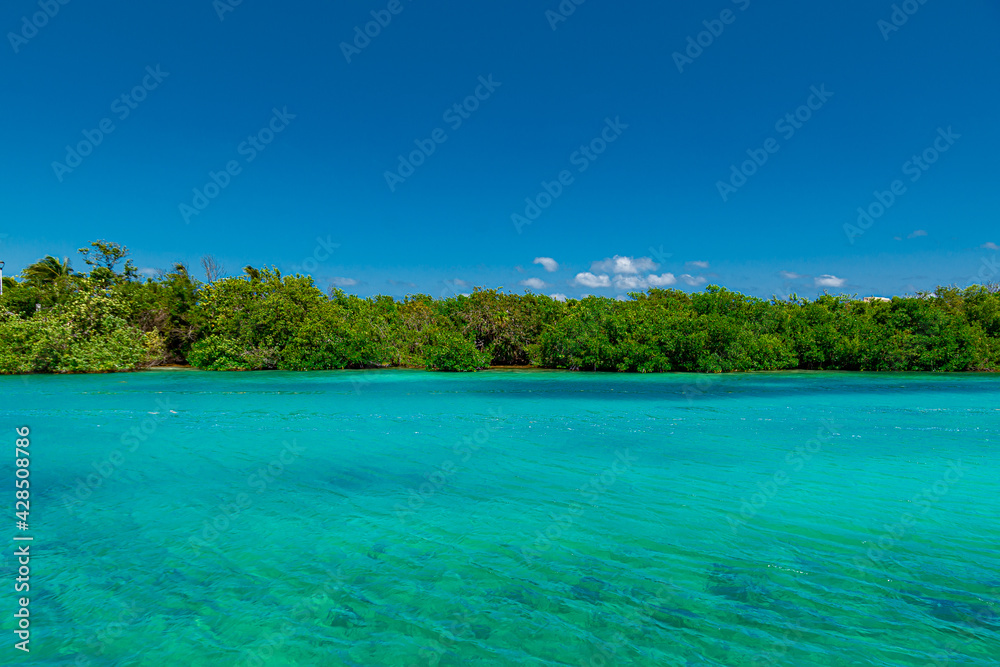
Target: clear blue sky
(652,198)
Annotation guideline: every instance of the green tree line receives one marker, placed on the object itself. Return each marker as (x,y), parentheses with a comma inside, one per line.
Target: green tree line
(57,320)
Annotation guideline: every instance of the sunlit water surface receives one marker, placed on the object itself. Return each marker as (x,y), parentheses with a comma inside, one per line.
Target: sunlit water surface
(509,518)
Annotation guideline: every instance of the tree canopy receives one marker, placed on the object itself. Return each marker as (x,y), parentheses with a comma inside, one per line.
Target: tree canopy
(53,319)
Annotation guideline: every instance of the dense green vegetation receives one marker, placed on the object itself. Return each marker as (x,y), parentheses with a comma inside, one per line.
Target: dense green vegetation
(53,319)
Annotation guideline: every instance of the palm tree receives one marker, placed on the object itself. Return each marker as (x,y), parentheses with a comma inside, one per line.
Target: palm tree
(48,271)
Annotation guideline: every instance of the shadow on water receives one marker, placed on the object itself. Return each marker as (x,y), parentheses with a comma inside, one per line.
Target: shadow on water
(970,611)
(588,589)
(680,387)
(697,387)
(728,582)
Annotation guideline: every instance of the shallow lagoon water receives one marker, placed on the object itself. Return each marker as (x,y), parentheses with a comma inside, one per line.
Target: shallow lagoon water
(510,518)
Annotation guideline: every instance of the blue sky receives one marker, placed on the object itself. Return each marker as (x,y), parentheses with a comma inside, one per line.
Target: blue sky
(621,131)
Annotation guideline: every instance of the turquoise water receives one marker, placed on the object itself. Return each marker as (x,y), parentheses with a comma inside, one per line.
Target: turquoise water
(509,518)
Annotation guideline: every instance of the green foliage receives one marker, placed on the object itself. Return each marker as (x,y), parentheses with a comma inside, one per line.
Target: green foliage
(53,320)
(266,321)
(251,320)
(371,330)
(722,331)
(86,334)
(453,351)
(321,343)
(47,271)
(105,256)
(18,341)
(218,353)
(506,324)
(167,307)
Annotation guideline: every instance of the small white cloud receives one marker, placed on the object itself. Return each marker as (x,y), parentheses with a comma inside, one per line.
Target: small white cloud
(558,296)
(534,283)
(697,265)
(619,264)
(549,263)
(458,282)
(827,280)
(693,281)
(897,238)
(343,282)
(590,280)
(149,272)
(790,275)
(916,233)
(990,246)
(661,280)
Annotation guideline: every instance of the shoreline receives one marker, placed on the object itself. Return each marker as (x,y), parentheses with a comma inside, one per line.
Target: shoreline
(532,369)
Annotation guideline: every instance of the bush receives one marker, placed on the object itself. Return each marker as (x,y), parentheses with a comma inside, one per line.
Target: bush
(218,353)
(450,351)
(59,321)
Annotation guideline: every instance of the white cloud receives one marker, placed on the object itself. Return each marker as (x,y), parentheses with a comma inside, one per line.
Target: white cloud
(916,233)
(400,283)
(590,280)
(549,263)
(343,282)
(990,246)
(629,282)
(534,283)
(149,272)
(827,280)
(558,296)
(625,283)
(458,282)
(789,275)
(661,280)
(619,264)
(693,281)
(697,265)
